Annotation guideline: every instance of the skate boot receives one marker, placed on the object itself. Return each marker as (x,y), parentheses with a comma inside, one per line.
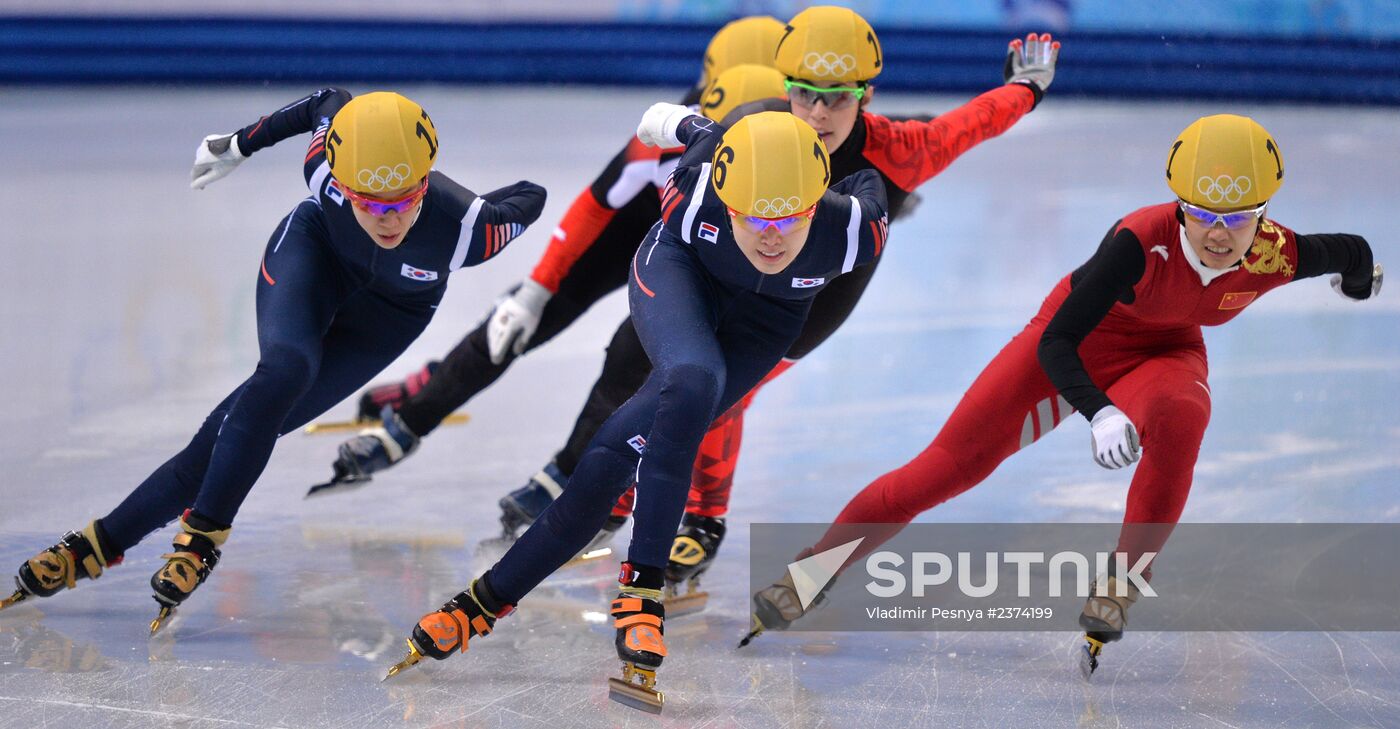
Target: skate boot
(521,507)
(196,553)
(474,611)
(639,618)
(374,449)
(393,394)
(77,555)
(695,548)
(1103,619)
(777,606)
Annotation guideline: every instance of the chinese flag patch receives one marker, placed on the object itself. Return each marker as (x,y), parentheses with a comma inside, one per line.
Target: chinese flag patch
(1237,300)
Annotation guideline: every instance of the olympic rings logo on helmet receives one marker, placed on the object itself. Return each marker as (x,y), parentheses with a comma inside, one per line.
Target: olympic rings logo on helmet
(384,177)
(776,207)
(829,63)
(1224,188)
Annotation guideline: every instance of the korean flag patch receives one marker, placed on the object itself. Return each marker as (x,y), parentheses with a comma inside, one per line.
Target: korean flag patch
(417,274)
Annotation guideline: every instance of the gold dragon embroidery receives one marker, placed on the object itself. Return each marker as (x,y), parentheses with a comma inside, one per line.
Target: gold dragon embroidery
(1267,257)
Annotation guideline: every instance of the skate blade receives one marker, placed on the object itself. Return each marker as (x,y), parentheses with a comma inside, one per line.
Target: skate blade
(687,604)
(408,662)
(350,426)
(637,697)
(18,597)
(165,612)
(754,632)
(588,557)
(338,486)
(1089,657)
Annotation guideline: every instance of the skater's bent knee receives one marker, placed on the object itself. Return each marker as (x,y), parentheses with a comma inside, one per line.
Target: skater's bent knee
(286,363)
(1179,413)
(283,374)
(693,384)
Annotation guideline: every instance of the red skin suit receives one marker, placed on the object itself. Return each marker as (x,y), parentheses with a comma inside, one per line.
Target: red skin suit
(1146,356)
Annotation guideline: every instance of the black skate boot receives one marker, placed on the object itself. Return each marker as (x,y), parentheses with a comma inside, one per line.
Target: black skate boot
(521,507)
(393,394)
(196,553)
(78,555)
(474,611)
(1103,619)
(694,550)
(376,448)
(640,620)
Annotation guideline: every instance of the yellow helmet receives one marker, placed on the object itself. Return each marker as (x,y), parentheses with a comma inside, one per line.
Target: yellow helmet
(380,142)
(770,165)
(746,40)
(740,85)
(1225,161)
(827,43)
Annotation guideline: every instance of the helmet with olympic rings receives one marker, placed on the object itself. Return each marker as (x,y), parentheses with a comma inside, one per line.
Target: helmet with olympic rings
(770,165)
(825,43)
(380,142)
(1225,161)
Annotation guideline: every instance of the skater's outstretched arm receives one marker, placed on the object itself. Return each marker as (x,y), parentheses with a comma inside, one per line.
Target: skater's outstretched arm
(1349,257)
(911,152)
(489,221)
(219,154)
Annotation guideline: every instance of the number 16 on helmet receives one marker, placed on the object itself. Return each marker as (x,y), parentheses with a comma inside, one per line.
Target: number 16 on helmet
(380,142)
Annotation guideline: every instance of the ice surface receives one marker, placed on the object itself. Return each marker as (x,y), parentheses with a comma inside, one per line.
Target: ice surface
(127,313)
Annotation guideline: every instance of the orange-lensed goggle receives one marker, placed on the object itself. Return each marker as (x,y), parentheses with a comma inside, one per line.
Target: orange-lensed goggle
(784,225)
(378,208)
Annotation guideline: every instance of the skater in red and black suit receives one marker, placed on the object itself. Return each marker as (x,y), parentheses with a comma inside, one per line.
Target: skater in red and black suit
(1119,340)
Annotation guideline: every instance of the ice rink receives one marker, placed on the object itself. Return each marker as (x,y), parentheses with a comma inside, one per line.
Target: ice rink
(127,313)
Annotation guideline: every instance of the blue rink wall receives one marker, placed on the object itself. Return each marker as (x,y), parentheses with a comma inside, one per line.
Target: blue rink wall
(1171,64)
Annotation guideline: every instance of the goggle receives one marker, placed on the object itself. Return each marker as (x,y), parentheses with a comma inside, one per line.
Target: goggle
(379,208)
(1232,220)
(757,225)
(835,97)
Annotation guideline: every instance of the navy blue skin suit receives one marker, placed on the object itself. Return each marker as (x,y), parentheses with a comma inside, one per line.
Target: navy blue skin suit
(333,310)
(713,326)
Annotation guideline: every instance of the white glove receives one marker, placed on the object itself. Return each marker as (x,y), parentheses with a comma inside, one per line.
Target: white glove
(1115,439)
(659,124)
(1032,61)
(217,155)
(514,320)
(1377,275)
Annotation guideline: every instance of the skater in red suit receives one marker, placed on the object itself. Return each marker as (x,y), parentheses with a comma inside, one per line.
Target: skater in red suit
(1119,340)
